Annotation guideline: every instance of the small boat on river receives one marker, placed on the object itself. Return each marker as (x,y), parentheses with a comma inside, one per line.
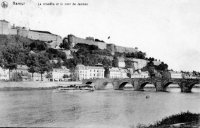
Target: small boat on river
(76,88)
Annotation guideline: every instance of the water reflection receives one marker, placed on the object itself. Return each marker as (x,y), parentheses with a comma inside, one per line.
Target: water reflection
(103,108)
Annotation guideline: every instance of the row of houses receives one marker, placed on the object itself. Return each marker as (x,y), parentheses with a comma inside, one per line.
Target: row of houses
(93,72)
(63,74)
(21,73)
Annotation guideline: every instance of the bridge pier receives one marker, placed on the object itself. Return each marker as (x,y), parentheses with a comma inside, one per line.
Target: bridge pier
(185,87)
(160,86)
(137,86)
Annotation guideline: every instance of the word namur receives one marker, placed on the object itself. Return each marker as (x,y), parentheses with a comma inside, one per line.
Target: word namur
(18,3)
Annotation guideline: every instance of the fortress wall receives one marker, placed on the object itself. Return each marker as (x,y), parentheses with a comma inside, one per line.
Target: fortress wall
(125,49)
(76,40)
(43,36)
(101,45)
(22,32)
(130,50)
(55,39)
(120,49)
(13,32)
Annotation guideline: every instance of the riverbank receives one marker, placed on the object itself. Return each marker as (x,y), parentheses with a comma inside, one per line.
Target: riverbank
(30,85)
(39,85)
(182,120)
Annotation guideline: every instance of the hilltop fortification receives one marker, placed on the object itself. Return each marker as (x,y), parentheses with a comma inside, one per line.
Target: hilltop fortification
(101,45)
(52,39)
(55,40)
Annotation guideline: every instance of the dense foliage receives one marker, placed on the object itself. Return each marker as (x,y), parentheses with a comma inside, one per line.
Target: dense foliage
(138,55)
(156,70)
(88,55)
(185,117)
(16,50)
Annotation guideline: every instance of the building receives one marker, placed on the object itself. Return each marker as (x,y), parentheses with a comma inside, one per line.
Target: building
(155,62)
(4,74)
(4,27)
(175,74)
(89,72)
(140,75)
(52,40)
(189,75)
(121,62)
(37,77)
(22,69)
(75,40)
(60,74)
(117,73)
(114,48)
(138,63)
(20,73)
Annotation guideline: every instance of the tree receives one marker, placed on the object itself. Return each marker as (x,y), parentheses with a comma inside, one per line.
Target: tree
(38,45)
(1,60)
(49,75)
(32,63)
(65,76)
(9,58)
(106,62)
(43,65)
(115,61)
(162,67)
(128,64)
(57,65)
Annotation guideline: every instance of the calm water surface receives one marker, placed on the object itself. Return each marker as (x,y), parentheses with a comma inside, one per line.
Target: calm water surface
(103,108)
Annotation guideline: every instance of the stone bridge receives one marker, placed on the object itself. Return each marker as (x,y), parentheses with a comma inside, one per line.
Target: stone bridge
(138,84)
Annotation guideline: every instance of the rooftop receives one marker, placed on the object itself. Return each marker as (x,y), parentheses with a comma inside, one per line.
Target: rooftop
(41,31)
(4,21)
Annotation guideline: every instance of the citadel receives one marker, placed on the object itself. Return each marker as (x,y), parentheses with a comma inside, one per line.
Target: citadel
(55,40)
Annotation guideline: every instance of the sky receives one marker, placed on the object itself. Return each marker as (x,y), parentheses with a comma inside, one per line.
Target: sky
(168,30)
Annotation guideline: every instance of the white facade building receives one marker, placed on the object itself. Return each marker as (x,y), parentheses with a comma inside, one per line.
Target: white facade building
(4,74)
(59,73)
(176,74)
(89,72)
(139,63)
(117,73)
(121,62)
(140,75)
(37,77)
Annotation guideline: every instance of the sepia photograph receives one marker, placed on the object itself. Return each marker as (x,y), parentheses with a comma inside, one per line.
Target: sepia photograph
(100,63)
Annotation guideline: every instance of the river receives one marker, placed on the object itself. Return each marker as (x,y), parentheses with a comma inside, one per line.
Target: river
(99,109)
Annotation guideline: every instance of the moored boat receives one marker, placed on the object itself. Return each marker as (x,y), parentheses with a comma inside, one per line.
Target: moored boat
(76,88)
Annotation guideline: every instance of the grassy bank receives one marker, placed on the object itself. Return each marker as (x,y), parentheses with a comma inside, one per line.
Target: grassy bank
(11,86)
(181,120)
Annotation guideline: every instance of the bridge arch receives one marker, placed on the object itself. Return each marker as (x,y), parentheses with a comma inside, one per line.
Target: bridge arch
(119,84)
(89,82)
(143,84)
(187,85)
(139,85)
(167,84)
(191,85)
(122,84)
